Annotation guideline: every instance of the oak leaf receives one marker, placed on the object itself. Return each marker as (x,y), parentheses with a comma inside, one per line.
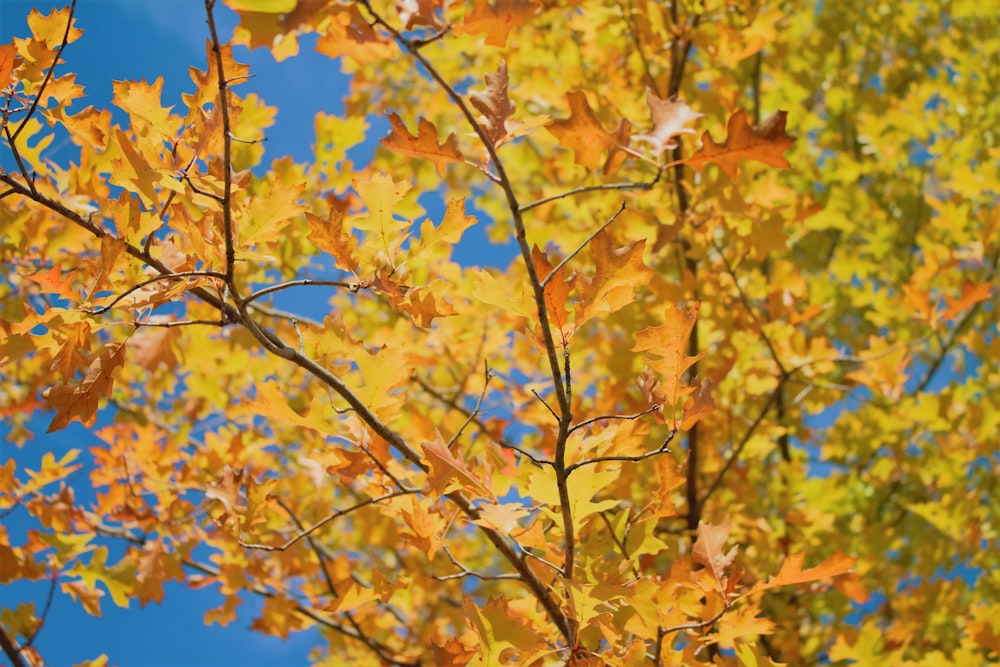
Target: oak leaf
(496,19)
(670,119)
(80,401)
(8,60)
(448,473)
(699,405)
(708,549)
(586,136)
(791,571)
(414,13)
(618,272)
(424,144)
(497,109)
(765,143)
(669,342)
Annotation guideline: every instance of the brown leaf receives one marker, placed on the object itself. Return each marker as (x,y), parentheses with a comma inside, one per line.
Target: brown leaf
(708,549)
(765,143)
(424,145)
(584,134)
(80,401)
(494,104)
(699,405)
(670,119)
(414,13)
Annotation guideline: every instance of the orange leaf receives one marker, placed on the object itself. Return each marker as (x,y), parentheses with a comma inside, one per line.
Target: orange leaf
(670,118)
(588,139)
(792,573)
(699,405)
(349,34)
(971,295)
(496,20)
(765,143)
(424,145)
(8,60)
(708,548)
(80,401)
(670,343)
(618,272)
(53,282)
(447,473)
(329,235)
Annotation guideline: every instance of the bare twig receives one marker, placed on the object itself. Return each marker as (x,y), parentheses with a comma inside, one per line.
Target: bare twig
(628,185)
(662,449)
(322,522)
(528,455)
(593,420)
(299,283)
(167,276)
(475,412)
(583,245)
(466,572)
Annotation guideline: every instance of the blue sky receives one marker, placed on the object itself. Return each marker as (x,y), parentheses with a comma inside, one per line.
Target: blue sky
(133,40)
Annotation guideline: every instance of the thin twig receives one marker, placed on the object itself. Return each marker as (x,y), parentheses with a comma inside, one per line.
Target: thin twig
(475,412)
(586,422)
(168,276)
(322,522)
(628,185)
(583,245)
(528,455)
(662,449)
(539,397)
(299,283)
(466,572)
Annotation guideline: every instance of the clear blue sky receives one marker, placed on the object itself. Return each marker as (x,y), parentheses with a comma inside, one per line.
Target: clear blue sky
(133,40)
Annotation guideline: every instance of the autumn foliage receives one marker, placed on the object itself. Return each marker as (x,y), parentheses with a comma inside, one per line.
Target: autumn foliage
(733,401)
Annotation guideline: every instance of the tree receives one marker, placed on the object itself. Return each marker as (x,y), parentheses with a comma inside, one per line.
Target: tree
(721,408)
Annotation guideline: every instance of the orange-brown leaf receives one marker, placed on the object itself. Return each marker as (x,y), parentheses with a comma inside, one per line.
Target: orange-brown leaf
(414,13)
(708,549)
(329,235)
(584,134)
(792,573)
(496,19)
(8,60)
(618,271)
(765,143)
(424,145)
(699,405)
(80,401)
(447,473)
(494,104)
(669,342)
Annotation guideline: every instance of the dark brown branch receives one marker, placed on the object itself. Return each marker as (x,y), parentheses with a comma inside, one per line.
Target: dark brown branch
(11,651)
(354,287)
